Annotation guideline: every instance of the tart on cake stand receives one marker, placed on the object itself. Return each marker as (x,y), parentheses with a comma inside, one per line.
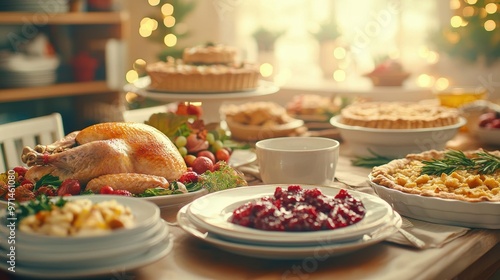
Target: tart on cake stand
(210,101)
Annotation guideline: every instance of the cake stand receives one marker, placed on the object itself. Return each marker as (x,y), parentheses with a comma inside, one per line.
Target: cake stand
(210,101)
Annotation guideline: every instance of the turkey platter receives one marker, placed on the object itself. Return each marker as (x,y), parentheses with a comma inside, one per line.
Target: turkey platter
(131,156)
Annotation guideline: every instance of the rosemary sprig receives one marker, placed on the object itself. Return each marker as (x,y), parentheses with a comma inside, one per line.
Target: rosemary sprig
(375,160)
(487,163)
(483,163)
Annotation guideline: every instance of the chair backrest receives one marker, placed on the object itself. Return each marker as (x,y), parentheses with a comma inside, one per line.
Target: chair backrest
(141,115)
(15,136)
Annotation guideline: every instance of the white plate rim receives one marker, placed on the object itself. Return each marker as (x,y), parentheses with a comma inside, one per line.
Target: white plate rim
(147,241)
(336,123)
(154,254)
(292,252)
(231,231)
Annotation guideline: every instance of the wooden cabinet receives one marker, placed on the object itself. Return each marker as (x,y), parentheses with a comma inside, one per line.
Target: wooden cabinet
(79,31)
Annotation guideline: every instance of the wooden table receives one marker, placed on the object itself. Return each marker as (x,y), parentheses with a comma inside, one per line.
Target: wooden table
(472,256)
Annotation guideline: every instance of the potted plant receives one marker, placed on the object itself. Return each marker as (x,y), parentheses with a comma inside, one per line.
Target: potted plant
(327,36)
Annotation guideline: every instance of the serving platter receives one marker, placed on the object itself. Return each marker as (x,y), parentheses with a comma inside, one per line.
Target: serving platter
(440,210)
(288,252)
(213,211)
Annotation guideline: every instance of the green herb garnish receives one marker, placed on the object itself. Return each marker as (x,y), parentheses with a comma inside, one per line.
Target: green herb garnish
(225,178)
(375,160)
(41,203)
(482,163)
(49,181)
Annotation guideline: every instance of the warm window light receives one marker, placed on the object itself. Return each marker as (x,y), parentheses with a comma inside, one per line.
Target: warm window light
(423,51)
(132,76)
(169,21)
(266,70)
(490,25)
(167,9)
(170,40)
(468,11)
(456,21)
(454,4)
(339,53)
(432,57)
(491,8)
(154,2)
(442,83)
(339,75)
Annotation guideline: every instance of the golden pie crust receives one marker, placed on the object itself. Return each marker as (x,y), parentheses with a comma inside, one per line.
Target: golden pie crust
(398,115)
(404,175)
(174,76)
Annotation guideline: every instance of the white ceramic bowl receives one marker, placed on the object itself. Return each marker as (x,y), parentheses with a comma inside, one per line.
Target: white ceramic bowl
(298,160)
(394,143)
(441,211)
(488,136)
(254,132)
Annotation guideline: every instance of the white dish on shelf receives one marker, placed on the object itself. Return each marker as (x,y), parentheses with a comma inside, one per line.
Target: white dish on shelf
(213,211)
(442,211)
(395,143)
(141,87)
(288,252)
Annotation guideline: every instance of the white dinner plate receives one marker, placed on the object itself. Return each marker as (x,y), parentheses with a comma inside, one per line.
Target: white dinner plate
(213,211)
(117,268)
(79,254)
(441,211)
(281,252)
(145,214)
(174,199)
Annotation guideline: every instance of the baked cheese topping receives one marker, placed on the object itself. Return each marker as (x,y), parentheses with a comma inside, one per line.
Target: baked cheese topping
(406,175)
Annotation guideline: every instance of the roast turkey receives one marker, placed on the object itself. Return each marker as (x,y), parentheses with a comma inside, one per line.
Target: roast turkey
(108,148)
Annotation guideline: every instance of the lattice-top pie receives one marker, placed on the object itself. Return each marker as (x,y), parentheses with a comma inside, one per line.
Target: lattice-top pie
(465,183)
(398,115)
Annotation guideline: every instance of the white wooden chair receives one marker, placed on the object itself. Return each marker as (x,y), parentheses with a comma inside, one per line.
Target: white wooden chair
(143,114)
(15,136)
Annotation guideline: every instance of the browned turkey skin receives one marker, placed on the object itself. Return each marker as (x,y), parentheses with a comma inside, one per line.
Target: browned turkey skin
(108,148)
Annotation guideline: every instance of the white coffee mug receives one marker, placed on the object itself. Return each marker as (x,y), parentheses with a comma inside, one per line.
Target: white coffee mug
(298,160)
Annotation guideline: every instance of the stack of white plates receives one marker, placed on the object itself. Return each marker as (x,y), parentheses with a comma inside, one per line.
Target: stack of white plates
(62,257)
(11,79)
(207,218)
(46,6)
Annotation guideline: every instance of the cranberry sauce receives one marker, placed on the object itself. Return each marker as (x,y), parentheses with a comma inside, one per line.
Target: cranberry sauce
(297,209)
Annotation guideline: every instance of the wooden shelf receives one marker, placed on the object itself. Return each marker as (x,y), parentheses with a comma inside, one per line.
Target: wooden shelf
(63,18)
(56,90)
